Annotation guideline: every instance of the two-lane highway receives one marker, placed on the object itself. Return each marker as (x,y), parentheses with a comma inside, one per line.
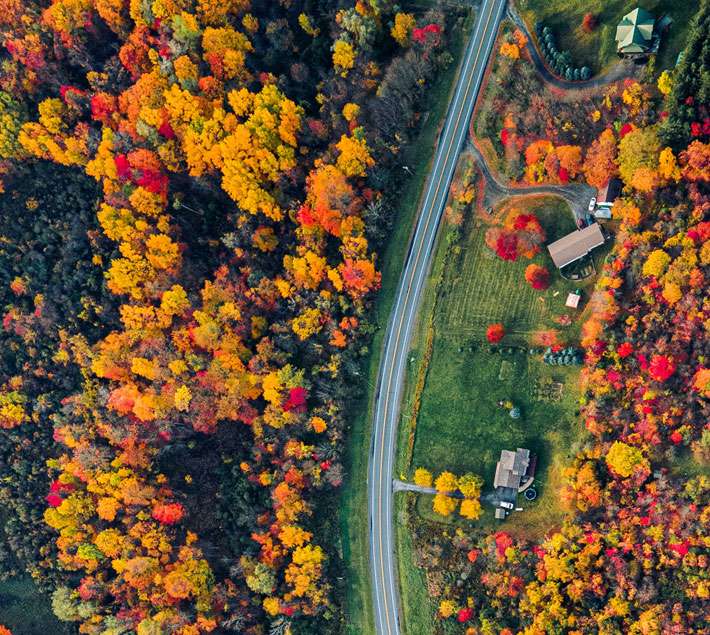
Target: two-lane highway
(399,330)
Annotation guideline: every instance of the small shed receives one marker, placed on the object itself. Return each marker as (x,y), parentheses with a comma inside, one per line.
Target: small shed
(602,212)
(634,34)
(576,245)
(573,300)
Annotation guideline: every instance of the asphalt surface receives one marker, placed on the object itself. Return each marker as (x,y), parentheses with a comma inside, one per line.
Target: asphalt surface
(399,330)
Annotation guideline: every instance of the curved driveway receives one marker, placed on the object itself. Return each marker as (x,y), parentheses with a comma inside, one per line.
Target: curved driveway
(399,330)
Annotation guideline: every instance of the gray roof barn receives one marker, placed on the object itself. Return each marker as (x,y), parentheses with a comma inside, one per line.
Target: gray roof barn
(575,245)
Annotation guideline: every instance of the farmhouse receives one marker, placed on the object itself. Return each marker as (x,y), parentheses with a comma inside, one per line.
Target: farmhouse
(514,473)
(576,245)
(635,34)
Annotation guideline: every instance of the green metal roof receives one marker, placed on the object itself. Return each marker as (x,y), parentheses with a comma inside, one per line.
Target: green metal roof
(634,32)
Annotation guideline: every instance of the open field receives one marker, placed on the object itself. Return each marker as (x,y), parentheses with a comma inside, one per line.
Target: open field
(598,48)
(354,519)
(479,288)
(459,425)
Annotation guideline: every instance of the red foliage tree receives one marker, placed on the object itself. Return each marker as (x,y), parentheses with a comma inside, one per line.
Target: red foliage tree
(464,615)
(520,235)
(538,277)
(495,333)
(661,367)
(168,513)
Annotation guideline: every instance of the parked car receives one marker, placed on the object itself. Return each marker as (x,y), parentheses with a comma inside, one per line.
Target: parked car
(506,505)
(592,203)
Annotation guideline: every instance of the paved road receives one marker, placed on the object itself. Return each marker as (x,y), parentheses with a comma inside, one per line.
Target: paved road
(399,330)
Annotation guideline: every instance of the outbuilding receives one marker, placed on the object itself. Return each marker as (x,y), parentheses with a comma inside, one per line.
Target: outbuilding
(576,245)
(634,34)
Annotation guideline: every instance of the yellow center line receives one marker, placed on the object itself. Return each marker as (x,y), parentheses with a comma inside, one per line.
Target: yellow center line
(416,260)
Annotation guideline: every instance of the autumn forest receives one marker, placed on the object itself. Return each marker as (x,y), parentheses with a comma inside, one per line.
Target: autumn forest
(195,197)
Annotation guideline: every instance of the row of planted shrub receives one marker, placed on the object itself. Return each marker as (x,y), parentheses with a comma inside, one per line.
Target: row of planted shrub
(559,61)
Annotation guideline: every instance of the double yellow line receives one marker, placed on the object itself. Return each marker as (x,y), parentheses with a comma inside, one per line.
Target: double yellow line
(440,182)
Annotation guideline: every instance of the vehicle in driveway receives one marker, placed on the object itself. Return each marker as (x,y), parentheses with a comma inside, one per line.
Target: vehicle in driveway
(592,203)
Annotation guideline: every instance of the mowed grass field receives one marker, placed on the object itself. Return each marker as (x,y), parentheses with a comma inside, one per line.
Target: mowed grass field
(598,48)
(460,427)
(479,288)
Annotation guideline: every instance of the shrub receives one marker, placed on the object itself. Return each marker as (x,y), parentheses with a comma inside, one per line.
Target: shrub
(589,22)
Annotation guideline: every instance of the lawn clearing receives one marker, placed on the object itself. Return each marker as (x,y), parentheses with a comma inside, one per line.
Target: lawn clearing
(460,426)
(480,288)
(598,48)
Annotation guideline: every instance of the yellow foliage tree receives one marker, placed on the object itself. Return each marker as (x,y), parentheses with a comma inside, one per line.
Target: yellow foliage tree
(446,482)
(354,157)
(668,165)
(625,459)
(665,83)
(401,31)
(343,57)
(470,508)
(422,477)
(656,263)
(444,505)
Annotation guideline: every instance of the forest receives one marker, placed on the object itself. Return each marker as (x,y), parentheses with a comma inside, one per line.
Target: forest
(193,193)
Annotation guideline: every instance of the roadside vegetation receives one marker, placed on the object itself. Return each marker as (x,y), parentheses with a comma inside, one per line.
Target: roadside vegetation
(417,156)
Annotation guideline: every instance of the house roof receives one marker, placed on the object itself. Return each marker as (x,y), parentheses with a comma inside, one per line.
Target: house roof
(511,468)
(634,32)
(610,192)
(522,460)
(505,477)
(575,245)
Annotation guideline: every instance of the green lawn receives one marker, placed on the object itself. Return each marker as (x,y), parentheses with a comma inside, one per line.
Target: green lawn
(598,49)
(460,427)
(354,517)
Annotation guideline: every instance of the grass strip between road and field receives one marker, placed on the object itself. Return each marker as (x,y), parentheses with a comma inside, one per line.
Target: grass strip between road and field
(354,521)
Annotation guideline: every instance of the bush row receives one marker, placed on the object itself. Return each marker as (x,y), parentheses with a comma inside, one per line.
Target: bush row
(559,61)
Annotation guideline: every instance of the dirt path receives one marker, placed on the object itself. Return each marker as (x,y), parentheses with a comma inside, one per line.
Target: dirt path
(576,194)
